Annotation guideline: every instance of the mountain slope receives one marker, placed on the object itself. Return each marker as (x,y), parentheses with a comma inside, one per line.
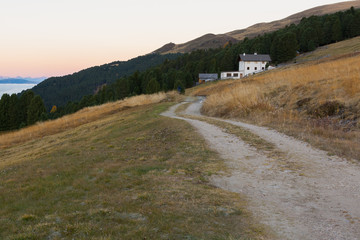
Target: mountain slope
(60,90)
(255,30)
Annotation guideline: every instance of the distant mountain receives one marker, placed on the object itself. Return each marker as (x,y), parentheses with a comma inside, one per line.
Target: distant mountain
(37,80)
(60,90)
(16,81)
(21,80)
(214,41)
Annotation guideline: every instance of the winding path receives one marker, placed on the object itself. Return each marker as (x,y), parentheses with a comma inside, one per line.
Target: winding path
(315,197)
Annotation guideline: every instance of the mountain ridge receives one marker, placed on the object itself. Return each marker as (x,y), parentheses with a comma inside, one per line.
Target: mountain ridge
(206,41)
(219,40)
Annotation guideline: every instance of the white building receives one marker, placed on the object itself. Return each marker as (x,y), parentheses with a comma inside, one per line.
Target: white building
(248,64)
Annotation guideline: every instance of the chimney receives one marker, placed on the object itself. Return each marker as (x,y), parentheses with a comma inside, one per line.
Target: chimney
(244,54)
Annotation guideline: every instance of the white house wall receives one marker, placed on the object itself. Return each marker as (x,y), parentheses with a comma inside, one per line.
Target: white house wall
(241,66)
(251,67)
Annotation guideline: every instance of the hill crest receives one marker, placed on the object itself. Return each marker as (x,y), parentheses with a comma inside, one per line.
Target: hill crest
(206,41)
(214,41)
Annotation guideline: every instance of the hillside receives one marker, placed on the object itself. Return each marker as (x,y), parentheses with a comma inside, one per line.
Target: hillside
(214,41)
(350,46)
(316,100)
(116,171)
(61,90)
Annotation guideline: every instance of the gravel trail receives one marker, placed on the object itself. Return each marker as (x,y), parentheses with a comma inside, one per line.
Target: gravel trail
(309,195)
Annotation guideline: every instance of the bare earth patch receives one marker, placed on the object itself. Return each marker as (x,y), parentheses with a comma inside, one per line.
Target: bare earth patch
(306,195)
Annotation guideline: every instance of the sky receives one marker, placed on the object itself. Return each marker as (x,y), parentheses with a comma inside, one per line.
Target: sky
(59,37)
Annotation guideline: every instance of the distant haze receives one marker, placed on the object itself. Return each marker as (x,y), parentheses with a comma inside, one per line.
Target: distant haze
(53,38)
(14,88)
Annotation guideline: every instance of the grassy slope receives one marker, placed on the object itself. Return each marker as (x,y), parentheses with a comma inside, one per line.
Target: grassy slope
(317,101)
(349,46)
(129,175)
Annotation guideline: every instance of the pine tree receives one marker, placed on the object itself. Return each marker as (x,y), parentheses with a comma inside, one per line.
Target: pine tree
(4,112)
(121,88)
(308,40)
(228,61)
(36,110)
(336,30)
(24,102)
(179,85)
(354,27)
(14,121)
(284,47)
(153,86)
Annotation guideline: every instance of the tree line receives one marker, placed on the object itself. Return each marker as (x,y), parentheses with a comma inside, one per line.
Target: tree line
(182,72)
(17,112)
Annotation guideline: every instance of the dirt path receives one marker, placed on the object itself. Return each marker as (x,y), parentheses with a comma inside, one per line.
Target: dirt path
(309,195)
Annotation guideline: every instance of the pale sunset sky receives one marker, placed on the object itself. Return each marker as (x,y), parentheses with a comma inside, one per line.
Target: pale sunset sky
(59,37)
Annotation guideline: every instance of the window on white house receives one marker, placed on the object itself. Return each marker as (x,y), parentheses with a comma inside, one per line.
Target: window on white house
(228,75)
(248,68)
(255,68)
(263,68)
(236,75)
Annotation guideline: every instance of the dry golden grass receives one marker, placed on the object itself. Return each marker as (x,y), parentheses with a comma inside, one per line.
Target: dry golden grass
(83,116)
(326,81)
(297,98)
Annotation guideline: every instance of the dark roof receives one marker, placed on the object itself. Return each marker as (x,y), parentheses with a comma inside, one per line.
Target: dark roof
(255,57)
(205,76)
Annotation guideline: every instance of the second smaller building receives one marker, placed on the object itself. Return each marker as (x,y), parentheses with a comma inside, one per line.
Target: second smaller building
(208,77)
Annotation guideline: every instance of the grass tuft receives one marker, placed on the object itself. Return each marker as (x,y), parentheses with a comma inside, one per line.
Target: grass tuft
(27,217)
